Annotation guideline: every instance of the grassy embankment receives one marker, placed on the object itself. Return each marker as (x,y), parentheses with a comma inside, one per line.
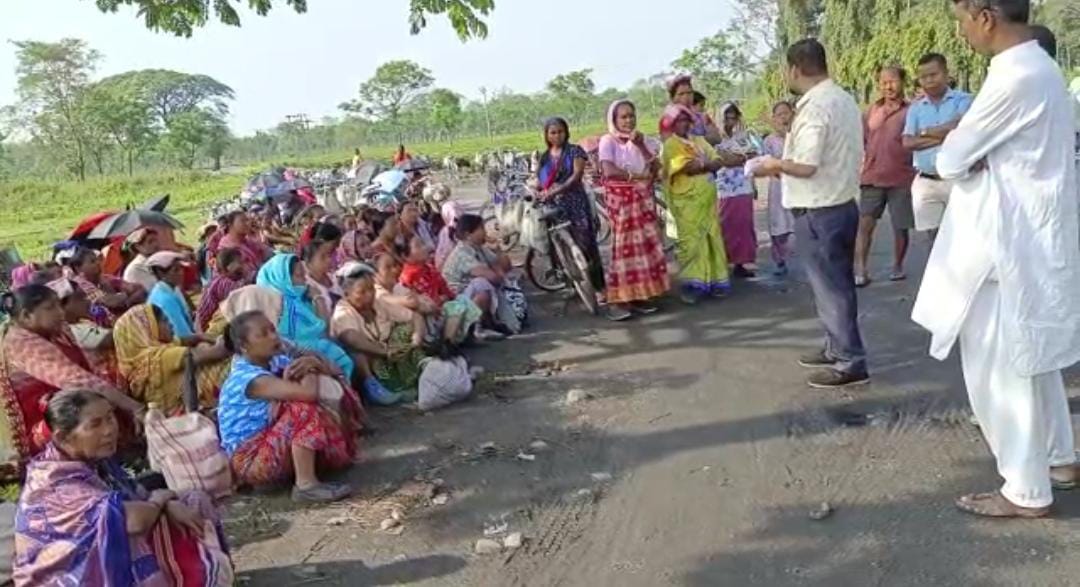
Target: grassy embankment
(36,213)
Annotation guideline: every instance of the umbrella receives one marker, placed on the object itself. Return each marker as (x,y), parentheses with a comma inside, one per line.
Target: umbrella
(127,222)
(410,165)
(88,224)
(157,203)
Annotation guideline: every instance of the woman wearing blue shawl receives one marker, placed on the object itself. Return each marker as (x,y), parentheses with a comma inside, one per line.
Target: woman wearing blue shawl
(299,323)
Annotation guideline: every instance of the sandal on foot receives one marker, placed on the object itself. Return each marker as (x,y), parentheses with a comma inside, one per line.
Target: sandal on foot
(1063,484)
(862,280)
(897,276)
(994,505)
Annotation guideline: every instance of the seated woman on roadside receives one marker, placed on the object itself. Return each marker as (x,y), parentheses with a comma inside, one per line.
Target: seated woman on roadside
(237,234)
(455,316)
(388,239)
(385,338)
(318,257)
(167,294)
(82,520)
(447,238)
(95,341)
(229,278)
(272,425)
(151,359)
(299,322)
(477,272)
(38,357)
(108,297)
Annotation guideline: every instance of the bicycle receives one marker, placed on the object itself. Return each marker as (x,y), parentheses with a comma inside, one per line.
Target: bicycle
(568,267)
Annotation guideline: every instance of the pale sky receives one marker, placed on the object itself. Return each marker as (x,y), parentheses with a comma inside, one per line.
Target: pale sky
(287,63)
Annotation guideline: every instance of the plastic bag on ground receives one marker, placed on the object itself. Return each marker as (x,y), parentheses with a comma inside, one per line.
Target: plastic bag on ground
(444,382)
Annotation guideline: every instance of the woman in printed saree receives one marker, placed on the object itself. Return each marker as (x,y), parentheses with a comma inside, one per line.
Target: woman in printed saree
(688,162)
(82,520)
(229,278)
(271,422)
(152,360)
(38,357)
(167,294)
(109,297)
(95,341)
(737,192)
(560,181)
(299,322)
(386,338)
(474,270)
(637,273)
(781,221)
(237,235)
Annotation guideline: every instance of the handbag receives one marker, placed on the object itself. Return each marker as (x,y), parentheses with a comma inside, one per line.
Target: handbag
(186,448)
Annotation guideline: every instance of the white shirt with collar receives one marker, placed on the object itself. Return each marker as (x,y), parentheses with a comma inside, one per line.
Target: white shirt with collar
(1014,222)
(827,133)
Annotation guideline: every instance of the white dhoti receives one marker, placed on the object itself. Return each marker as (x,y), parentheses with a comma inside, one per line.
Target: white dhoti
(1025,419)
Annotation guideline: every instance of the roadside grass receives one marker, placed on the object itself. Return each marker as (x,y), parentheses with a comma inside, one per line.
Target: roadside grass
(36,213)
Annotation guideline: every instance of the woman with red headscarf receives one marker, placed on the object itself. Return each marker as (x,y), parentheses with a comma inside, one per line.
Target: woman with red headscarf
(689,161)
(638,270)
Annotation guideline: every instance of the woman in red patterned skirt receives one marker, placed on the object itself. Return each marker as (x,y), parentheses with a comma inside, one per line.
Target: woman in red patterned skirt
(637,273)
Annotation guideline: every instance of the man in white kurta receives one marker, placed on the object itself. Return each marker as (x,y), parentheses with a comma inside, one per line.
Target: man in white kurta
(1004,275)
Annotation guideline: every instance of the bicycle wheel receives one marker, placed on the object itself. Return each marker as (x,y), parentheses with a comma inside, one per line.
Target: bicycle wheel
(603,226)
(544,271)
(576,269)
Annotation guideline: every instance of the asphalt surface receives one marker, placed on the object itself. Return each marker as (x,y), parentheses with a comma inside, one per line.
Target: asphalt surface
(699,459)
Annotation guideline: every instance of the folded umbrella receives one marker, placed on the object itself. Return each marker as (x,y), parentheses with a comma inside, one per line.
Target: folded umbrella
(127,222)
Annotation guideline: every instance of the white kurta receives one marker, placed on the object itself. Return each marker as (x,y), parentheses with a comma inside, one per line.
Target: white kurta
(1015,221)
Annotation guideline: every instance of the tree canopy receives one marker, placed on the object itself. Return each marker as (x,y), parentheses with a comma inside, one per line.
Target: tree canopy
(183,17)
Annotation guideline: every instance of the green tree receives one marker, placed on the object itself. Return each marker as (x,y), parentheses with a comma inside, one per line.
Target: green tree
(188,133)
(52,80)
(395,85)
(171,92)
(182,17)
(446,113)
(217,141)
(716,64)
(574,91)
(126,118)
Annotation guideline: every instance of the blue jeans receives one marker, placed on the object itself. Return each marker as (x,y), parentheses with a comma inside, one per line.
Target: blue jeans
(825,241)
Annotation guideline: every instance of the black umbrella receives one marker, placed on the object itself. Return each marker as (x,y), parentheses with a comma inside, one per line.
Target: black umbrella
(410,165)
(127,222)
(157,203)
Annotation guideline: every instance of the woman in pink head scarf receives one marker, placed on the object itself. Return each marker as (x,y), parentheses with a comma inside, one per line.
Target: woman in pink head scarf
(637,273)
(450,214)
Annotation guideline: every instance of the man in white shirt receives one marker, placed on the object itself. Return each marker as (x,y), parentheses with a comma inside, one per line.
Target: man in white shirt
(823,154)
(1004,273)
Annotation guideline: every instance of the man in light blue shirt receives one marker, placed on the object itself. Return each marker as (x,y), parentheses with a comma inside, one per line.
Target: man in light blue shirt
(929,120)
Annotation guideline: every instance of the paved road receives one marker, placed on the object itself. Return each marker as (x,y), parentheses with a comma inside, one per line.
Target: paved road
(697,463)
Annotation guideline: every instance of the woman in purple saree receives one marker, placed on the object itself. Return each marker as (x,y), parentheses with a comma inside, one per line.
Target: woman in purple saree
(82,520)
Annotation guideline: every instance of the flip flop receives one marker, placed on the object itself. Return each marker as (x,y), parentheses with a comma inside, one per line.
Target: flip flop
(1063,485)
(994,505)
(862,281)
(897,276)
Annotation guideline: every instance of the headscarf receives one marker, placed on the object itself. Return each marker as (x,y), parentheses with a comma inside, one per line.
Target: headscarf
(299,321)
(22,275)
(672,113)
(252,297)
(677,81)
(739,131)
(613,128)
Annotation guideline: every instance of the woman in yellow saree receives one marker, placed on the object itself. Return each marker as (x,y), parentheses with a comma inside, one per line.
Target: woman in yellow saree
(689,162)
(152,361)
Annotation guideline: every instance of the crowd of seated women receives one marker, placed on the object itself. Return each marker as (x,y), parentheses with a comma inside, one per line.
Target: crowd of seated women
(288,336)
